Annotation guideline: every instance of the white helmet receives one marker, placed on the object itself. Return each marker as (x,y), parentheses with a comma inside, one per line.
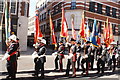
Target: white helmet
(43,41)
(12,38)
(113,43)
(40,38)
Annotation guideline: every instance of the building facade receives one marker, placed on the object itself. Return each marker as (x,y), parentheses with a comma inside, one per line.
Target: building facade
(31,25)
(95,9)
(31,30)
(19,21)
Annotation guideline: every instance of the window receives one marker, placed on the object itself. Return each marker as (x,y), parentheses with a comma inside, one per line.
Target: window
(99,8)
(1,6)
(118,29)
(107,10)
(119,14)
(114,12)
(25,9)
(73,4)
(43,6)
(90,24)
(45,15)
(48,26)
(59,7)
(55,10)
(48,12)
(42,17)
(54,23)
(58,27)
(100,26)
(113,28)
(13,7)
(92,7)
(44,28)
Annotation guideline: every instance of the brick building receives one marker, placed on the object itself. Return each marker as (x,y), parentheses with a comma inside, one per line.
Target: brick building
(98,9)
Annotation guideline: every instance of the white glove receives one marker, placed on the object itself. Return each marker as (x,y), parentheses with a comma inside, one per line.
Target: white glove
(5,56)
(70,56)
(34,55)
(54,54)
(85,56)
(116,56)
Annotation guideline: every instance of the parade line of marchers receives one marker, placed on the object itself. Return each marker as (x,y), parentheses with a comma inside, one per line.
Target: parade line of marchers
(84,55)
(92,46)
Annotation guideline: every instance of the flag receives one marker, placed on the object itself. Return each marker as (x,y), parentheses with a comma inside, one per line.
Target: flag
(7,33)
(99,34)
(87,32)
(107,32)
(73,31)
(64,27)
(82,27)
(52,32)
(111,34)
(94,34)
(38,32)
(9,28)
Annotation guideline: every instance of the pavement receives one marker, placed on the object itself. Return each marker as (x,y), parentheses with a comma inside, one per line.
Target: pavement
(26,69)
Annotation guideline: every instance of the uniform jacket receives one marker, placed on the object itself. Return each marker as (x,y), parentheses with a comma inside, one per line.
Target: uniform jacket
(78,49)
(73,51)
(42,51)
(12,49)
(61,51)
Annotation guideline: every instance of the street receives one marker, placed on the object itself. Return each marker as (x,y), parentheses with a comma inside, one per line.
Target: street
(26,69)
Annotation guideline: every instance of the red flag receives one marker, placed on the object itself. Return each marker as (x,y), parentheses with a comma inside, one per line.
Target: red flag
(73,31)
(64,27)
(99,35)
(52,31)
(111,38)
(82,27)
(105,32)
(38,33)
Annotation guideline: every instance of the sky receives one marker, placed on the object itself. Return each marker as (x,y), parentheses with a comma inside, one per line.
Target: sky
(32,7)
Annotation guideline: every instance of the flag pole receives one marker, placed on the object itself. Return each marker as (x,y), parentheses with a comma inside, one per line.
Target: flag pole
(9,27)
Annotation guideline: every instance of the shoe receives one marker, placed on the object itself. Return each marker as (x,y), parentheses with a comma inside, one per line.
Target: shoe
(98,72)
(77,69)
(42,77)
(102,72)
(82,73)
(66,75)
(8,77)
(61,70)
(74,75)
(55,69)
(35,75)
(86,72)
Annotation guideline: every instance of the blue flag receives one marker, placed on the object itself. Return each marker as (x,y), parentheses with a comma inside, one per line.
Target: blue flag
(94,34)
(87,32)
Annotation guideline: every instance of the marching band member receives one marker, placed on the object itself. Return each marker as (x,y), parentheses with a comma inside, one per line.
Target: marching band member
(112,53)
(40,58)
(101,58)
(78,54)
(86,58)
(60,56)
(72,58)
(11,57)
